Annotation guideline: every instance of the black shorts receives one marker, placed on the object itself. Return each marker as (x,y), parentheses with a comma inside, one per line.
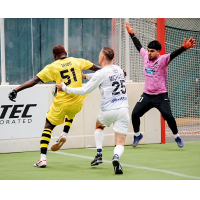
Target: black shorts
(147,101)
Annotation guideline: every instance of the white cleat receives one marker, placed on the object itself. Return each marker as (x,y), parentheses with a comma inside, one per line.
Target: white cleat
(61,140)
(41,163)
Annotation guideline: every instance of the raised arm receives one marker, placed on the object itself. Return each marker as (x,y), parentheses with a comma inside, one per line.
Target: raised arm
(187,45)
(133,37)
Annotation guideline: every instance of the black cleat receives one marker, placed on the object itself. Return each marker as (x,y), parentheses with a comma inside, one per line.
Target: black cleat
(97,160)
(117,167)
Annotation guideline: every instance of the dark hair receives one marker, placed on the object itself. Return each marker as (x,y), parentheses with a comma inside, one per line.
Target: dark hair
(154,45)
(108,52)
(58,50)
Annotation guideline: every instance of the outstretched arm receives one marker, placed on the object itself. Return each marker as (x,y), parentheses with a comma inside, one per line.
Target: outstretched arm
(91,85)
(133,37)
(187,45)
(12,95)
(28,84)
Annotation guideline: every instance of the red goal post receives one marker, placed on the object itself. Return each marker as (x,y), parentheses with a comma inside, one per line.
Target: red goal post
(161,39)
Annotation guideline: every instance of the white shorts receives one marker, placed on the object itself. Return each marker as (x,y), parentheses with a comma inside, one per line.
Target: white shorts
(119,118)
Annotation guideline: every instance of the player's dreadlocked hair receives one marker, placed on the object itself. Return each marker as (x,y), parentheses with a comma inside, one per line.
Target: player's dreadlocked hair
(108,52)
(59,50)
(154,45)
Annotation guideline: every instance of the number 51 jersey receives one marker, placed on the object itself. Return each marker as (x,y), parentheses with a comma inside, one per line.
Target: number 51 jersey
(69,70)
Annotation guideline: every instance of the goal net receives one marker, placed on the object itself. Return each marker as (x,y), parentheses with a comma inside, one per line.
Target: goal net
(183,74)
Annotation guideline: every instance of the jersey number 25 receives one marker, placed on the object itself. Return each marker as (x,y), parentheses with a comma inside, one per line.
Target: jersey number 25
(117,85)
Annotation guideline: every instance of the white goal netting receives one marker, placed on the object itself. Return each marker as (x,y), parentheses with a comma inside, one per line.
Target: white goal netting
(184,74)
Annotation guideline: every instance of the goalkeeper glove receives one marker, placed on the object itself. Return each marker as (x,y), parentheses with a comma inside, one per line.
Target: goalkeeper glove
(129,29)
(12,95)
(188,44)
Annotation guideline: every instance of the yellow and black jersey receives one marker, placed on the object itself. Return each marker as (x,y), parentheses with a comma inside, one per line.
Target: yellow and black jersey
(69,69)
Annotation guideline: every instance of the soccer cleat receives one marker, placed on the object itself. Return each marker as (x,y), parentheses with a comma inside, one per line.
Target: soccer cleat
(179,142)
(137,139)
(117,167)
(58,144)
(41,163)
(97,160)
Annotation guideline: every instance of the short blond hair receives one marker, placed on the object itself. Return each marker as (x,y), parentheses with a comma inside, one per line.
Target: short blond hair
(108,52)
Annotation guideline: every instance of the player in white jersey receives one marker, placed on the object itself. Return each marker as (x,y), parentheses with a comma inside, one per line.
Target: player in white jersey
(114,106)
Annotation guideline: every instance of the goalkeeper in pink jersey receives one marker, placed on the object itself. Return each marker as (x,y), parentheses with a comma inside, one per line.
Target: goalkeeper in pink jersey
(155,90)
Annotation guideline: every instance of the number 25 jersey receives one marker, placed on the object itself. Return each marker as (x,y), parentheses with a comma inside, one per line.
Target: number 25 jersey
(69,70)
(111,82)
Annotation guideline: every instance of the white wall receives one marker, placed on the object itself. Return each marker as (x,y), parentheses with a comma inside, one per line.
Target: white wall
(81,133)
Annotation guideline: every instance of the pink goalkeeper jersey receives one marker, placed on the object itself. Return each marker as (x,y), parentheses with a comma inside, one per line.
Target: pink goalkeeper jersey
(155,72)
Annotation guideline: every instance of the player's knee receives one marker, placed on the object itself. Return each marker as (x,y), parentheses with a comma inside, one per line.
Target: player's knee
(135,114)
(49,125)
(100,127)
(120,138)
(167,116)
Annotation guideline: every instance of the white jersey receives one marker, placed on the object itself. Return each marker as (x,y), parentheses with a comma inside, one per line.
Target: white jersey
(111,82)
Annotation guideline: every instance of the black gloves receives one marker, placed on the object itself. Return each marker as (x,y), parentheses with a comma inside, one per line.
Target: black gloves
(12,95)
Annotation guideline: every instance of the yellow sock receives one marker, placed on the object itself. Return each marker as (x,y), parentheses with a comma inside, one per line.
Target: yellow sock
(67,125)
(45,139)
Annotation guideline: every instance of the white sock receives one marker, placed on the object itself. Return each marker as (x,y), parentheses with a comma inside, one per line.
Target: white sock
(43,156)
(119,149)
(137,134)
(65,134)
(176,135)
(98,134)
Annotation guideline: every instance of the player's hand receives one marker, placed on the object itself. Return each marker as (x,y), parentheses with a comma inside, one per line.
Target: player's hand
(189,44)
(83,75)
(62,86)
(129,29)
(124,72)
(59,87)
(12,95)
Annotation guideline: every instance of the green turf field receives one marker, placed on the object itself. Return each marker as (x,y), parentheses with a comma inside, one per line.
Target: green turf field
(145,162)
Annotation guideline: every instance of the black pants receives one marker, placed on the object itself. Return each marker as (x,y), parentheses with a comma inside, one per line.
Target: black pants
(146,102)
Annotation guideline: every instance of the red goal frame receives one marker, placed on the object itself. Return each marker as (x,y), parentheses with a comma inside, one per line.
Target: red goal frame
(161,39)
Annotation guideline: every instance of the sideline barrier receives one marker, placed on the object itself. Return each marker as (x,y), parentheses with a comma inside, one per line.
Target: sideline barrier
(22,122)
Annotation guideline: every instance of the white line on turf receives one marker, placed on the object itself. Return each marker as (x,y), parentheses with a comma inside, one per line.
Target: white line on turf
(132,166)
(190,141)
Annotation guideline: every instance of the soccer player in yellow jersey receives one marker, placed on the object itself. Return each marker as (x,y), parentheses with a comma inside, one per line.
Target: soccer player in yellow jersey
(65,106)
